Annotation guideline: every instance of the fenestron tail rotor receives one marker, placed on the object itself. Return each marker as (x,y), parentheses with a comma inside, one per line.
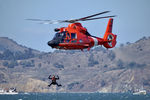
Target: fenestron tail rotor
(73,20)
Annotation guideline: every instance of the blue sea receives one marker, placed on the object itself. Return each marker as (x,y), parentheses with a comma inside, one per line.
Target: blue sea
(75,96)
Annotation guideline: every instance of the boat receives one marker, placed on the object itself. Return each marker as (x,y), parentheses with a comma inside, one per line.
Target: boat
(140,92)
(10,91)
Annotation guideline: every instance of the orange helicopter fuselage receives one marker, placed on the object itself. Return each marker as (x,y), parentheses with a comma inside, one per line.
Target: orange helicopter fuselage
(75,36)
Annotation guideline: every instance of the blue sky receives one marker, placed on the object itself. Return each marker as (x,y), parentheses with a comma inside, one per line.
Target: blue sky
(132,21)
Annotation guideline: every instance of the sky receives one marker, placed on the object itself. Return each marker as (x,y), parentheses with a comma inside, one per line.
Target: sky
(132,21)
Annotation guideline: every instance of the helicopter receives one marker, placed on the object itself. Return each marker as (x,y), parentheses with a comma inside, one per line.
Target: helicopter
(76,37)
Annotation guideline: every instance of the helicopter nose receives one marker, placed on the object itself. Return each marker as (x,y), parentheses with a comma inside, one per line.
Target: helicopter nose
(52,44)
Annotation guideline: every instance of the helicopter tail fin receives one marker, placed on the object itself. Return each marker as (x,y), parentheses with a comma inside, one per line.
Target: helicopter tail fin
(109,37)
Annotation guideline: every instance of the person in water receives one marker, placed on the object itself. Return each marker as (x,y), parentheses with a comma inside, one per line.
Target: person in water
(54,80)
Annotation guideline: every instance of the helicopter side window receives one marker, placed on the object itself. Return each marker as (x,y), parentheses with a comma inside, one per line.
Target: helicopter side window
(73,36)
(64,34)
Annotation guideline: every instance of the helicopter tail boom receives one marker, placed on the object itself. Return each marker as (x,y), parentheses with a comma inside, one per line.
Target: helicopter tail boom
(109,37)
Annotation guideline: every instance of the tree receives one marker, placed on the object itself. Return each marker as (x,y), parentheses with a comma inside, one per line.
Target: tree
(103,83)
(120,63)
(57,65)
(111,55)
(19,55)
(5,63)
(27,64)
(92,61)
(39,65)
(71,85)
(28,53)
(1,56)
(135,65)
(132,64)
(121,45)
(105,66)
(8,55)
(12,64)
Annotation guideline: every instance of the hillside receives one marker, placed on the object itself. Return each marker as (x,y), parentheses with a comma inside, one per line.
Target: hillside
(9,44)
(122,69)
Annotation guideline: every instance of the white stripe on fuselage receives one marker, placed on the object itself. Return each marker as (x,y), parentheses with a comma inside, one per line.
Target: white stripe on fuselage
(95,41)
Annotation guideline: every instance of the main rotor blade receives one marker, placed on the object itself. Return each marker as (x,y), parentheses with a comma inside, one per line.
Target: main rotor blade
(38,20)
(51,22)
(73,20)
(47,21)
(98,18)
(92,15)
(84,18)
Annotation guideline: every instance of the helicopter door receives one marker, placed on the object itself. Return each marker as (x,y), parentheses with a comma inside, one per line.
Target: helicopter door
(67,38)
(73,37)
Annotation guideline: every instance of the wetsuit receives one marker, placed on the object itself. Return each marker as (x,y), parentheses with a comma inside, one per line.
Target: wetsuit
(54,81)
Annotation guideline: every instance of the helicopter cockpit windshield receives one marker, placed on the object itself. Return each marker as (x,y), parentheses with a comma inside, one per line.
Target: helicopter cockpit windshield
(60,35)
(58,38)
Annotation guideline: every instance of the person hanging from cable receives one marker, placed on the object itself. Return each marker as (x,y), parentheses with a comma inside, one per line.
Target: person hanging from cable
(53,78)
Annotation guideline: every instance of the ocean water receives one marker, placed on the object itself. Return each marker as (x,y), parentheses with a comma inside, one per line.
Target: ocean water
(75,96)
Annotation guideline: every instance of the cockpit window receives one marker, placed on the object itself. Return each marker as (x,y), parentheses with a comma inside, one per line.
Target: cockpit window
(58,35)
(64,36)
(73,36)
